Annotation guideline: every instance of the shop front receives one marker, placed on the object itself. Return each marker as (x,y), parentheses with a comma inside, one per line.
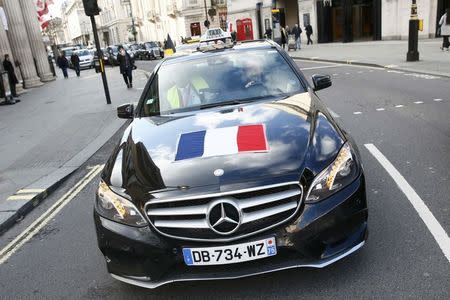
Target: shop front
(348,20)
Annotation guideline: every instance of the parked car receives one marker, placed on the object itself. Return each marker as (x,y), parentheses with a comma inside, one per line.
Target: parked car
(112,52)
(86,58)
(129,50)
(151,50)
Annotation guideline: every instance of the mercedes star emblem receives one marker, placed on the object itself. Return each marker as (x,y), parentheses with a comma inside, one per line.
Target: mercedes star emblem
(224,216)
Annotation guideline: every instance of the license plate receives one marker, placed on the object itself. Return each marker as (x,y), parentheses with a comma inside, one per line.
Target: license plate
(230,254)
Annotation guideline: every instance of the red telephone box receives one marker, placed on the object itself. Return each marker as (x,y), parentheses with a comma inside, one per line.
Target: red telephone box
(244,29)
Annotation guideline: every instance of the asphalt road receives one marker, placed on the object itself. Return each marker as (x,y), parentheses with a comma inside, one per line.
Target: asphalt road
(399,113)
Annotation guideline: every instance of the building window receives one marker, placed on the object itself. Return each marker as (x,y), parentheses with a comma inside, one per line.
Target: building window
(223,20)
(195,29)
(193,2)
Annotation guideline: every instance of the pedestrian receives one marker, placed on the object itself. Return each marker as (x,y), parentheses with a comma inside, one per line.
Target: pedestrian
(126,66)
(63,63)
(75,59)
(297,31)
(268,33)
(9,67)
(444,24)
(309,32)
(233,36)
(284,38)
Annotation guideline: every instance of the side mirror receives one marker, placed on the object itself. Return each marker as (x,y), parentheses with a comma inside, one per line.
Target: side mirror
(125,111)
(321,82)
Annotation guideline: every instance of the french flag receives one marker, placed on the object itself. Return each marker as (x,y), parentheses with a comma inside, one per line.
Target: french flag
(222,141)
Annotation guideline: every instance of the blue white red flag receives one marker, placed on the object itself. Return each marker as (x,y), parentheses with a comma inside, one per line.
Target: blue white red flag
(222,141)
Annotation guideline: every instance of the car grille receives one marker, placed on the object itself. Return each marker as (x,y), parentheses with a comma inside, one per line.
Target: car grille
(156,53)
(260,208)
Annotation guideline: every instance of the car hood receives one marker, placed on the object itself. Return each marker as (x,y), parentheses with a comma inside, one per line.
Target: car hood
(298,135)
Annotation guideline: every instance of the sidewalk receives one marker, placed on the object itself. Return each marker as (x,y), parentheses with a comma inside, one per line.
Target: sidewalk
(52,132)
(390,54)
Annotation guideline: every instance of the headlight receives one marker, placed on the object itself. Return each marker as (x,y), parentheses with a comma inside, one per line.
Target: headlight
(339,174)
(116,208)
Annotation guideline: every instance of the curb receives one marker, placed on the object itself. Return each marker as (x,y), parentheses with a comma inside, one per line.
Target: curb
(26,199)
(20,208)
(372,65)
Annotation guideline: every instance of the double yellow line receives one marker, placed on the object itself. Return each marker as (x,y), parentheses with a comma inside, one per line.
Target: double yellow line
(40,222)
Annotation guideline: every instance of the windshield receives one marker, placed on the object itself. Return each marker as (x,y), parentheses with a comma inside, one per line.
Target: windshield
(83,53)
(150,45)
(225,78)
(114,49)
(68,52)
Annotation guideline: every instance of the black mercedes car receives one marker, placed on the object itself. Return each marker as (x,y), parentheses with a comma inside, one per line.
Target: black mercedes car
(231,166)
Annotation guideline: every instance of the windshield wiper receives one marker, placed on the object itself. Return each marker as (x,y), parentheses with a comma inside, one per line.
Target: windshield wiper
(232,102)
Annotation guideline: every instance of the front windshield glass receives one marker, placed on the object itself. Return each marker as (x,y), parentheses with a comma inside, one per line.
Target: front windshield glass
(83,53)
(219,79)
(151,45)
(68,52)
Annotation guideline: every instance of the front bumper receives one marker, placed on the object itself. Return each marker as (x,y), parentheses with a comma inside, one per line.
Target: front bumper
(86,65)
(322,234)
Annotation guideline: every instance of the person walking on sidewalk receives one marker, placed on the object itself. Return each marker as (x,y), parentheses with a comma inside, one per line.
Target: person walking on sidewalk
(284,37)
(75,59)
(8,66)
(297,31)
(445,29)
(63,63)
(126,66)
(309,32)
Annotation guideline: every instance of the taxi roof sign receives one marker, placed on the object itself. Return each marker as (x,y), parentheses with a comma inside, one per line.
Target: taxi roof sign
(214,34)
(215,38)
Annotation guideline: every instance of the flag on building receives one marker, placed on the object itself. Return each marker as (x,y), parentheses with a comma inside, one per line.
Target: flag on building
(43,12)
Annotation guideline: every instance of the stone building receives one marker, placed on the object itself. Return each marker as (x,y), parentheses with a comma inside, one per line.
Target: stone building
(155,19)
(77,25)
(335,20)
(362,20)
(22,39)
(195,14)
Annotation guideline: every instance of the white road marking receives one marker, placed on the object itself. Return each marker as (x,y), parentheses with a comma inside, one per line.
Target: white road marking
(421,208)
(371,69)
(30,191)
(333,114)
(400,105)
(39,223)
(335,74)
(21,197)
(357,113)
(322,67)
(391,66)
(380,109)
(418,102)
(437,100)
(347,73)
(422,76)
(396,72)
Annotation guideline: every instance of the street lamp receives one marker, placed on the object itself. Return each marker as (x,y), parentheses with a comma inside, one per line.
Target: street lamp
(133,25)
(413,40)
(85,32)
(207,23)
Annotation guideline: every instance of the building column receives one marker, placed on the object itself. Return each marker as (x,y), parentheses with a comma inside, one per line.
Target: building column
(20,45)
(35,38)
(5,48)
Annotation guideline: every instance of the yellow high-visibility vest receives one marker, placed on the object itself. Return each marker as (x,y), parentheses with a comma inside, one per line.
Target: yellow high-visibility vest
(173,97)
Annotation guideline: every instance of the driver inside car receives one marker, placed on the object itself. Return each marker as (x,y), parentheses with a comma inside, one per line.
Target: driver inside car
(186,93)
